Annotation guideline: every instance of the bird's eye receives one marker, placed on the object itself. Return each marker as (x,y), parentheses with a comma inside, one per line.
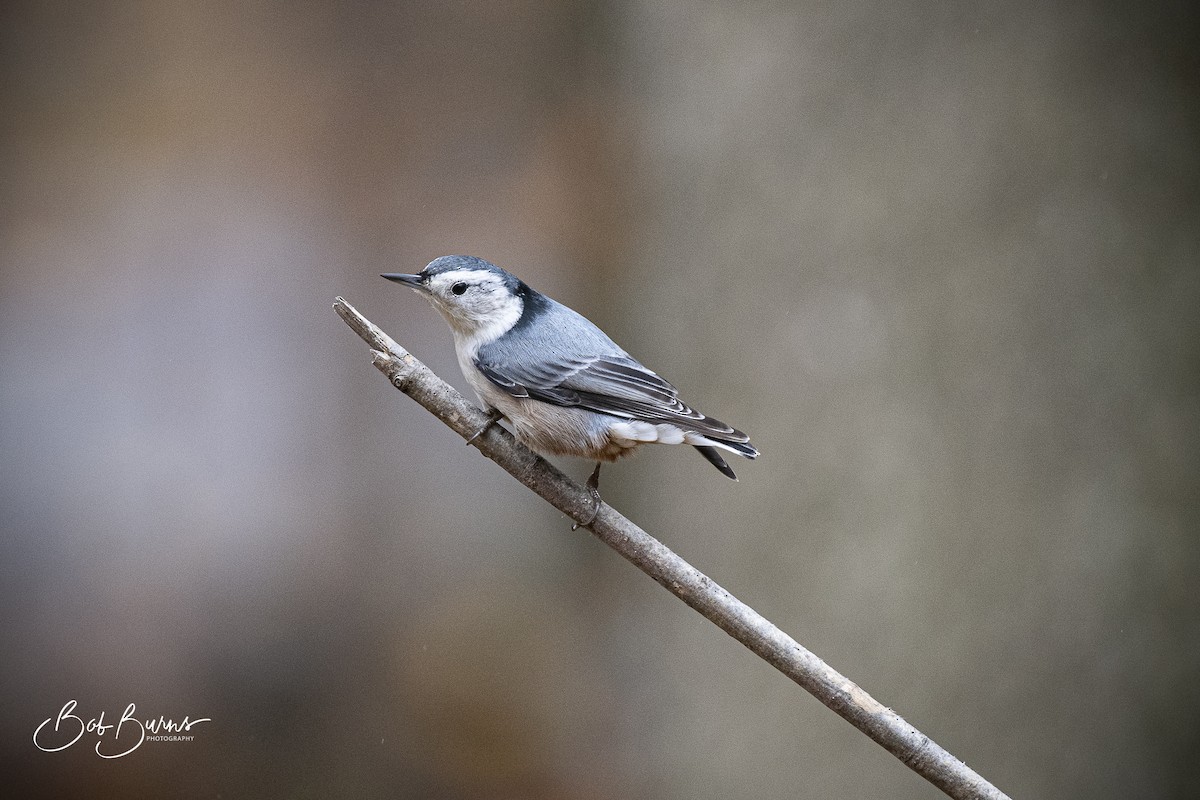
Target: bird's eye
(459,288)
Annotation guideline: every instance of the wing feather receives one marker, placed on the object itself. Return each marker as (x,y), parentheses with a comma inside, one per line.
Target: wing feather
(617,385)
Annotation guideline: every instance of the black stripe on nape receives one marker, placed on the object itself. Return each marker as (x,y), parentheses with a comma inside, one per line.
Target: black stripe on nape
(533,305)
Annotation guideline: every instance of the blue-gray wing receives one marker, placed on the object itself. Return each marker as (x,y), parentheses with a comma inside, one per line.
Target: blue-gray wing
(614,384)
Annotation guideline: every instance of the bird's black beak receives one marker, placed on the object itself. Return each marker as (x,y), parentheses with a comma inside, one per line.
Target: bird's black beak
(411,281)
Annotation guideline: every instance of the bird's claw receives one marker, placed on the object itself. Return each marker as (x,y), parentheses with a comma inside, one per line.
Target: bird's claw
(593,487)
(596,501)
(494,416)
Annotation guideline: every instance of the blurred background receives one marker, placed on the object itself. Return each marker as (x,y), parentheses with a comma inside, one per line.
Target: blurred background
(940,260)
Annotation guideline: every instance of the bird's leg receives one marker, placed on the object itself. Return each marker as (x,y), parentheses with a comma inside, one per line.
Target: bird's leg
(593,487)
(593,483)
(494,416)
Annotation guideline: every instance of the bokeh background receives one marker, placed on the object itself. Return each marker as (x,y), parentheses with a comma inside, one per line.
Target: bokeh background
(941,260)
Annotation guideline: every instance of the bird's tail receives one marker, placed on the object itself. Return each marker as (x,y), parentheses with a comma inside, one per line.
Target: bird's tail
(741,448)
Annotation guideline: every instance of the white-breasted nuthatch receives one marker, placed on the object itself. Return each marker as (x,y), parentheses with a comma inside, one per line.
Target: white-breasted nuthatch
(563,384)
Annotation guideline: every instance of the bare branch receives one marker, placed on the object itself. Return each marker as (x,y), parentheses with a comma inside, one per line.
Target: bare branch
(683,580)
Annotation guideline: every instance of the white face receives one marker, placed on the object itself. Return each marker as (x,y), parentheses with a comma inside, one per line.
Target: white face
(476,303)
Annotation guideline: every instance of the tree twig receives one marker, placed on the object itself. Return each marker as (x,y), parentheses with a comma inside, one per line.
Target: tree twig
(693,587)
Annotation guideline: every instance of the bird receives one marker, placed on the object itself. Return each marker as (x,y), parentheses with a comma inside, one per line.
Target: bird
(564,386)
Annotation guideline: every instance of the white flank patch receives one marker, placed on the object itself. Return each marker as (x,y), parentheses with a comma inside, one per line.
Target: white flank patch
(693,438)
(669,434)
(633,432)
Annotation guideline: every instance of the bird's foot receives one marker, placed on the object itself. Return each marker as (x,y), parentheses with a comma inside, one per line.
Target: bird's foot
(593,487)
(494,416)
